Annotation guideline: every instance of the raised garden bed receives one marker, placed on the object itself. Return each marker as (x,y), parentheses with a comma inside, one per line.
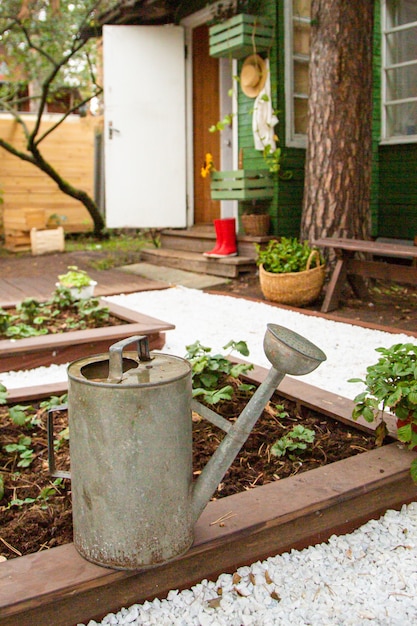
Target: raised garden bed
(58,586)
(69,346)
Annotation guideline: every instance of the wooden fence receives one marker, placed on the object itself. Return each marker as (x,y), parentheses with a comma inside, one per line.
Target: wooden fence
(70,150)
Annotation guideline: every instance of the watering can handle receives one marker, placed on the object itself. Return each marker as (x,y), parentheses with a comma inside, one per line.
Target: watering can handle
(116,354)
(51,452)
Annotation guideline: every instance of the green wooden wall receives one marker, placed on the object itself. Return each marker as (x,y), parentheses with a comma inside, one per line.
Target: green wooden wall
(398,191)
(394,170)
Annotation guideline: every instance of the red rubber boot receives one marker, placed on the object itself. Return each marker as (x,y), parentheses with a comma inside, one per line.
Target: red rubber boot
(228,246)
(219,240)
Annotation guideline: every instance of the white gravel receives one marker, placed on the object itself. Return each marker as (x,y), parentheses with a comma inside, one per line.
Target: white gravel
(215,320)
(367,577)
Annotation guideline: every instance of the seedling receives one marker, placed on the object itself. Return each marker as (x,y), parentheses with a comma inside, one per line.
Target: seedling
(23,449)
(209,372)
(295,441)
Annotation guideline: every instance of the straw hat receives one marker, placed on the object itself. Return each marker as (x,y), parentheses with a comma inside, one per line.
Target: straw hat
(253,75)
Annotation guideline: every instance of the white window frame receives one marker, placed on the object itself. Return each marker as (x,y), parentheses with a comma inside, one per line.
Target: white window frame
(293,139)
(387,29)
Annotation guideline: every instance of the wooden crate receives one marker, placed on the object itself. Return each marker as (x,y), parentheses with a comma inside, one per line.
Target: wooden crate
(242,185)
(17,240)
(241,35)
(49,240)
(17,227)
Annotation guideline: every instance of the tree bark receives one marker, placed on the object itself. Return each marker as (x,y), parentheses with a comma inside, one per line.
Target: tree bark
(339,148)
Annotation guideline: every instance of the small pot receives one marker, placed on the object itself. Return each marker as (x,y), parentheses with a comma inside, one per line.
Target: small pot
(81,293)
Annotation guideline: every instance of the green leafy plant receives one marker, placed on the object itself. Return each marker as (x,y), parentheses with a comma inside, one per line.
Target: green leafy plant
(34,318)
(223,12)
(28,309)
(23,449)
(209,372)
(391,384)
(3,394)
(75,277)
(53,402)
(23,415)
(286,255)
(295,441)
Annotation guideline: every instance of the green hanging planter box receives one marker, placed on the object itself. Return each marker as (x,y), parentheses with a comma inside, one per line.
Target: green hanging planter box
(242,185)
(241,35)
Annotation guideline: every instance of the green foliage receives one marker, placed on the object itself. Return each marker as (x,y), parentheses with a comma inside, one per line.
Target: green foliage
(286,255)
(23,449)
(53,402)
(74,277)
(209,372)
(23,415)
(391,384)
(295,441)
(33,317)
(223,12)
(221,124)
(3,394)
(45,494)
(91,309)
(28,309)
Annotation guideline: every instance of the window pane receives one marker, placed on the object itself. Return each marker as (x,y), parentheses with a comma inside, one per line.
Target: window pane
(301,38)
(403,12)
(402,46)
(300,115)
(402,119)
(300,78)
(301,8)
(402,82)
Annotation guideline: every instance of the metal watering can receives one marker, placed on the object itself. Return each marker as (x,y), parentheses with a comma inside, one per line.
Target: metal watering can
(134,500)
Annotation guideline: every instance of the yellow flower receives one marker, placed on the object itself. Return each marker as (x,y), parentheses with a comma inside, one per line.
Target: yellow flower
(208,166)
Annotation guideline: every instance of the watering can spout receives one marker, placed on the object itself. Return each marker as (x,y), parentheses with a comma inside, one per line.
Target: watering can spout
(288,353)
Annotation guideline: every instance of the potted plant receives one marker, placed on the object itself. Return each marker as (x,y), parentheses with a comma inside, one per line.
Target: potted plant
(236,30)
(391,384)
(290,272)
(78,282)
(255,219)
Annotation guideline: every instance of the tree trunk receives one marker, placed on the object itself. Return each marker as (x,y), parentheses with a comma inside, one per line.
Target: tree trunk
(339,149)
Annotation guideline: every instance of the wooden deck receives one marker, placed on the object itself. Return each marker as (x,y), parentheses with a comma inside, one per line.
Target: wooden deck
(109,282)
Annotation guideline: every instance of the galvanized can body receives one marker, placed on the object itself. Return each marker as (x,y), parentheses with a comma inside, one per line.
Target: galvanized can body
(131,462)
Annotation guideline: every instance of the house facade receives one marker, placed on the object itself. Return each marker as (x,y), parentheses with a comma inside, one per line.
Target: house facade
(213,94)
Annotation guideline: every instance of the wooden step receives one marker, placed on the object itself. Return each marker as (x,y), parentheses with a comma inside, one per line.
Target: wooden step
(203,239)
(229,267)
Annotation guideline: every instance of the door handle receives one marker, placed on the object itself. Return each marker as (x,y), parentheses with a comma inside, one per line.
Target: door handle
(112,130)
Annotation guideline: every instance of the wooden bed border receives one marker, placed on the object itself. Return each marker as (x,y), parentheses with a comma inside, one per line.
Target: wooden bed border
(58,586)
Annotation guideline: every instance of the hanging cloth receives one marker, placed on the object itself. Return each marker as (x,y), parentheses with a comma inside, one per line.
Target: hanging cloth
(264,119)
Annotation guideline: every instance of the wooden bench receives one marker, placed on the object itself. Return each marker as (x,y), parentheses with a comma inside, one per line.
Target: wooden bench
(356,270)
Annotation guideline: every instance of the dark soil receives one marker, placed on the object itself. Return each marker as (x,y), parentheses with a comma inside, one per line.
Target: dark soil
(389,304)
(62,319)
(45,520)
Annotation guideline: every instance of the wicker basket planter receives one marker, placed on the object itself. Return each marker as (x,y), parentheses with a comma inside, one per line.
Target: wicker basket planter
(241,35)
(255,225)
(294,288)
(242,185)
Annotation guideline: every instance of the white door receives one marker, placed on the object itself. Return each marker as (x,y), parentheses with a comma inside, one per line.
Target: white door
(144,100)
